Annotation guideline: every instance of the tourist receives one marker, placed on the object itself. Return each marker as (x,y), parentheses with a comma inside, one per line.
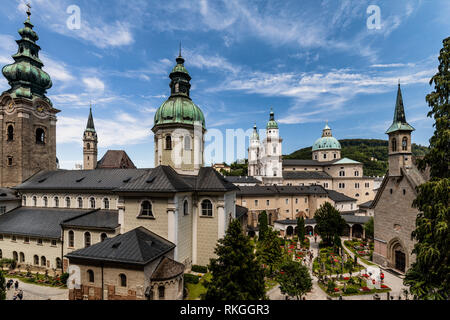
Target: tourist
(16,285)
(9,284)
(20,295)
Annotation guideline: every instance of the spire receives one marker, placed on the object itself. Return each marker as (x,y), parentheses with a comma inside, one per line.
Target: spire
(255,135)
(180,77)
(399,123)
(272,124)
(326,132)
(90,124)
(25,75)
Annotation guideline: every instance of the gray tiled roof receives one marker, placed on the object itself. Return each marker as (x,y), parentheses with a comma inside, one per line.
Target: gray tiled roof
(167,269)
(240,211)
(319,175)
(37,222)
(159,179)
(7,194)
(138,247)
(339,197)
(242,179)
(115,159)
(270,190)
(98,219)
(366,204)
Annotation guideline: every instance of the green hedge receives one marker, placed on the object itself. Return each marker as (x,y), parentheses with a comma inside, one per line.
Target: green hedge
(191,278)
(351,291)
(201,269)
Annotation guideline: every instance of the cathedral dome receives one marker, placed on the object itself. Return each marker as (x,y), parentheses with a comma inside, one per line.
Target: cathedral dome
(326,143)
(272,124)
(179,109)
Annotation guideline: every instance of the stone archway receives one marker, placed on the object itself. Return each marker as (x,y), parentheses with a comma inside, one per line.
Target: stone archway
(346,231)
(309,230)
(397,255)
(289,231)
(357,231)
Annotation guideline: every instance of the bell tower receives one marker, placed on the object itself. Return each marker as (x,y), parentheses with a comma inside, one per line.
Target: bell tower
(27,116)
(399,132)
(90,142)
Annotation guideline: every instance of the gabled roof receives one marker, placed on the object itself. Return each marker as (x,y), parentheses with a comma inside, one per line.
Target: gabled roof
(241,211)
(167,269)
(116,159)
(98,219)
(366,205)
(139,246)
(294,175)
(346,161)
(37,222)
(209,179)
(339,197)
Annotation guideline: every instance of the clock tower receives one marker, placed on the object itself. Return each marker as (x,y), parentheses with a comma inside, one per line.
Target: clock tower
(27,116)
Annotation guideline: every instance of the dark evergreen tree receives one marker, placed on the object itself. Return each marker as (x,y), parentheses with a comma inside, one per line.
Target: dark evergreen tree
(269,250)
(294,279)
(263,225)
(236,273)
(330,224)
(368,227)
(429,275)
(301,229)
(2,286)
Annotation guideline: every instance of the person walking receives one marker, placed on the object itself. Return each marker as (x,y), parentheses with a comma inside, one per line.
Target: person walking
(15,295)
(16,285)
(8,284)
(20,295)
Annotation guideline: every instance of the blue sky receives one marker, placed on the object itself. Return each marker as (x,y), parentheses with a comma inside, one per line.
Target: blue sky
(311,61)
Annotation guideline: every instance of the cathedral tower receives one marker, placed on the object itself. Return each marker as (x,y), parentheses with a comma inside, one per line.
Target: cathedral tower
(90,145)
(272,160)
(326,148)
(179,126)
(254,154)
(27,116)
(399,132)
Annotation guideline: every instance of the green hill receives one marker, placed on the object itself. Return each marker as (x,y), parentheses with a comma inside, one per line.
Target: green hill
(372,153)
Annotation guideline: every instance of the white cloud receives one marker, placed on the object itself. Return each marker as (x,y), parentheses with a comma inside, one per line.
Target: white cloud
(94,85)
(57,70)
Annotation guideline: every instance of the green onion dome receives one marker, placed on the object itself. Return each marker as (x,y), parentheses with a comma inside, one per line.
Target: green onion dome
(179,108)
(326,143)
(272,124)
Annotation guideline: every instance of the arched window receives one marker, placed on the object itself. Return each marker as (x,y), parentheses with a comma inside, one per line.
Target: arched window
(207,208)
(22,257)
(168,143)
(80,202)
(36,260)
(87,239)
(58,263)
(186,207)
(34,201)
(45,200)
(123,280)
(405,144)
(40,136)
(1,254)
(146,209)
(67,202)
(161,292)
(24,200)
(43,261)
(187,143)
(56,202)
(90,274)
(88,146)
(92,202)
(15,256)
(10,133)
(71,239)
(103,237)
(106,203)
(394,144)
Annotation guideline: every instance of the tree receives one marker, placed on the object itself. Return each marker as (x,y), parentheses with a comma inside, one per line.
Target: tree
(2,286)
(263,225)
(236,274)
(428,276)
(301,229)
(269,250)
(330,224)
(294,279)
(368,227)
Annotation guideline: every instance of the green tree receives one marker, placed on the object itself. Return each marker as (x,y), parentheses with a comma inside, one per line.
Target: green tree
(263,225)
(294,279)
(2,286)
(368,227)
(330,224)
(301,229)
(269,250)
(428,276)
(236,273)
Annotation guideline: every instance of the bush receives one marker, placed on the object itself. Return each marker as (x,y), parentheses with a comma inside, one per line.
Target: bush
(351,291)
(200,269)
(64,277)
(191,278)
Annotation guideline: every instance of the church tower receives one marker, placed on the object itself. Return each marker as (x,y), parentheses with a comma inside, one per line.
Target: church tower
(90,144)
(27,116)
(254,154)
(179,126)
(272,160)
(399,132)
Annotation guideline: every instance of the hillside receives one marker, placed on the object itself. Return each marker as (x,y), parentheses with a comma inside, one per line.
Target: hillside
(363,150)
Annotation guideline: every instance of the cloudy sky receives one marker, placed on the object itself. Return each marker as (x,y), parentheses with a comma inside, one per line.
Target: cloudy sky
(310,60)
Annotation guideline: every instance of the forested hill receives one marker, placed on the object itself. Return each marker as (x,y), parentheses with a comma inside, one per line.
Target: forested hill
(372,153)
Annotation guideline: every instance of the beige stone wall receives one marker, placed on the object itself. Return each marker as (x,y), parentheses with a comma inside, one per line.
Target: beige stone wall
(79,242)
(394,219)
(326,183)
(207,232)
(349,170)
(184,236)
(47,250)
(99,203)
(330,155)
(361,194)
